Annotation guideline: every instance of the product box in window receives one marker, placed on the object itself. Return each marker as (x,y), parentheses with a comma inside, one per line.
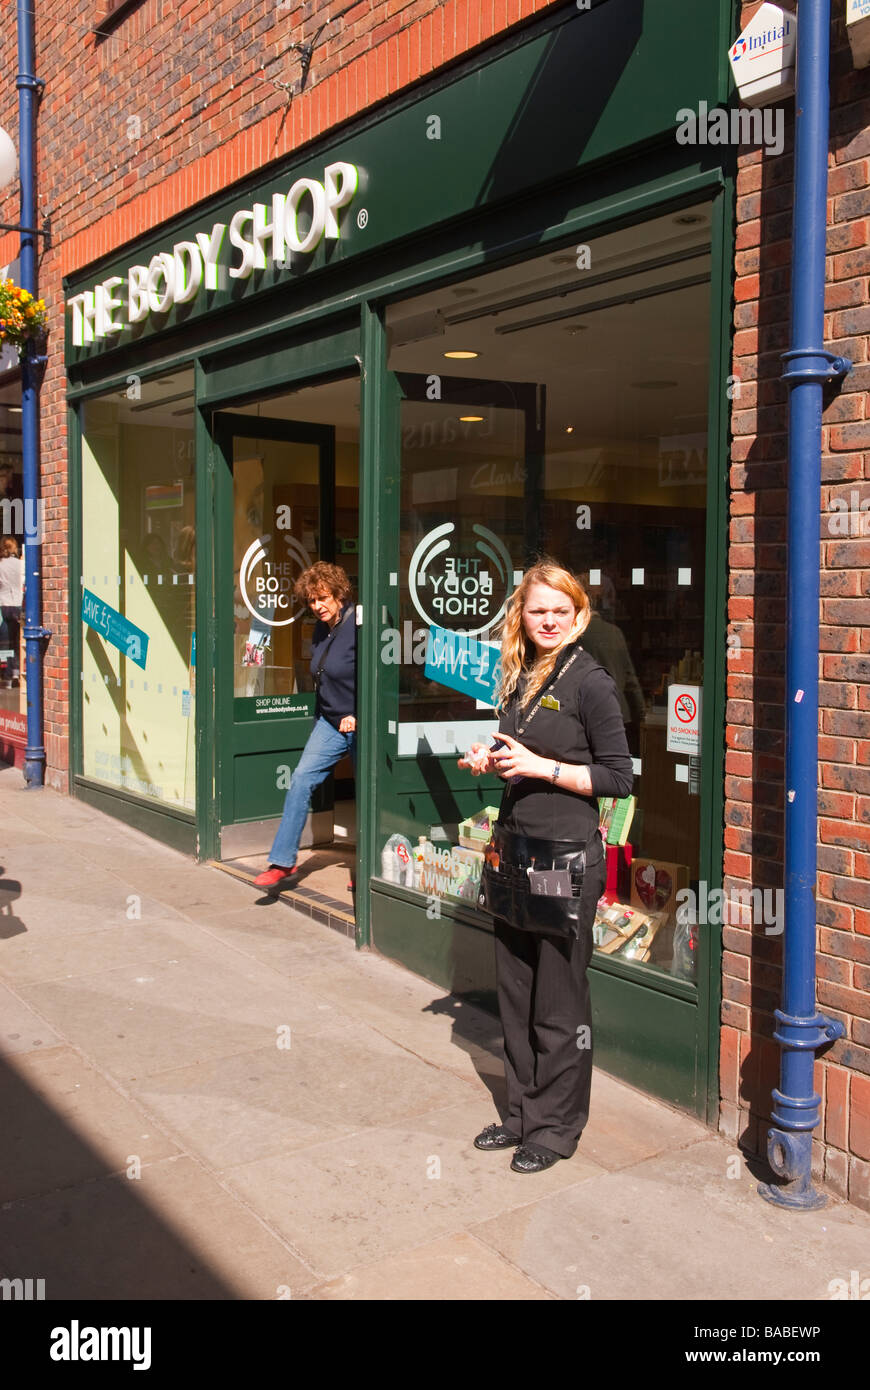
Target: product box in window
(616,925)
(474,832)
(642,946)
(655,884)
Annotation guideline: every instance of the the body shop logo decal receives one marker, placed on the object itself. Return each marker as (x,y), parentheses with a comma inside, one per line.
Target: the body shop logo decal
(472,588)
(268,595)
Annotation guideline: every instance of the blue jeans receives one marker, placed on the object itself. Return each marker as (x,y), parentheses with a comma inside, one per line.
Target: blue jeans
(325,747)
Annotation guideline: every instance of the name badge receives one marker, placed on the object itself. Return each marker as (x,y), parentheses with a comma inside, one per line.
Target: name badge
(549,702)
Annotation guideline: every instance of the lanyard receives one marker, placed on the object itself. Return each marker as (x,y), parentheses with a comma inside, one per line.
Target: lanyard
(333,633)
(521,728)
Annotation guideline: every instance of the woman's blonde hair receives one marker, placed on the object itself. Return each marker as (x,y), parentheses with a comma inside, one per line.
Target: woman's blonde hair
(518,653)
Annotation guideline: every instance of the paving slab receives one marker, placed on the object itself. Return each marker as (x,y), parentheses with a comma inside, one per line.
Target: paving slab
(67,877)
(409,1010)
(64,1124)
(173,1233)
(276,936)
(193,889)
(352,1202)
(138,1019)
(20,832)
(72,949)
(21,1029)
(626,1126)
(677,1227)
(276,1100)
(456,1267)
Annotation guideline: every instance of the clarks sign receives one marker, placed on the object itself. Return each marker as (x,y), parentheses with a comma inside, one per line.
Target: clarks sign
(255,238)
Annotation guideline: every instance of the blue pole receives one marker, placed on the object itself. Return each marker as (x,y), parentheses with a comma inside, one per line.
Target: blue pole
(29,88)
(801,1029)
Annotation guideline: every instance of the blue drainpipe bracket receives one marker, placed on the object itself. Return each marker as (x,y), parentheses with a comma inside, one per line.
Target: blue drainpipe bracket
(835,366)
(814,1032)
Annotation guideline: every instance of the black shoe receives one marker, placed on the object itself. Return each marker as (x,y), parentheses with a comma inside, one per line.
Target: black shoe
(496,1137)
(529,1160)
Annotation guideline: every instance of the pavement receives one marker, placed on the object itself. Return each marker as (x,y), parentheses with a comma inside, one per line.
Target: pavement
(205,1094)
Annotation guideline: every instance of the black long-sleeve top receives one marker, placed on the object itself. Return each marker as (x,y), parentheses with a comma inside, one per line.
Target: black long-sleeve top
(587,728)
(337,694)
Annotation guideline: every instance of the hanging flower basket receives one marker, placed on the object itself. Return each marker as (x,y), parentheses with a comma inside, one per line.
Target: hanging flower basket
(22,318)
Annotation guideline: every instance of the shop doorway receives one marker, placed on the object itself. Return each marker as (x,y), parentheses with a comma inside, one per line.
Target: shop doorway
(287,495)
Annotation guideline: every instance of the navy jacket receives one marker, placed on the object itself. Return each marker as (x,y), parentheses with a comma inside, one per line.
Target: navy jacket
(337,694)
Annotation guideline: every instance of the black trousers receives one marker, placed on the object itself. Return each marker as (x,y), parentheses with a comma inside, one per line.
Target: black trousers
(9,637)
(546,1015)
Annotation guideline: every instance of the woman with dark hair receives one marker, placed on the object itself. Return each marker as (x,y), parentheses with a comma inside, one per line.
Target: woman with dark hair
(326,589)
(561,744)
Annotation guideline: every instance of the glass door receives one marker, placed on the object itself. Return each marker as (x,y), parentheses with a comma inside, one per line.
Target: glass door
(276,516)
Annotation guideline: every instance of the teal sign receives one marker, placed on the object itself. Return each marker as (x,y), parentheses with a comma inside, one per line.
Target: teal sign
(115,628)
(460,662)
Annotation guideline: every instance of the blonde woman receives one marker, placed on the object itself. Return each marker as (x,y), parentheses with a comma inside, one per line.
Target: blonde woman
(562,745)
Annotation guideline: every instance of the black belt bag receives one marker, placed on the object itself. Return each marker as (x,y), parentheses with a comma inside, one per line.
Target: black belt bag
(506,889)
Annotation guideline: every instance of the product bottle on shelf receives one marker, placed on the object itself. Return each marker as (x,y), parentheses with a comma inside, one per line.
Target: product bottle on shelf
(419,858)
(396,862)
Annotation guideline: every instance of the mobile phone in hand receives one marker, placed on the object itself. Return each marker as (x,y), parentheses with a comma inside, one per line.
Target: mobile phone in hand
(494,748)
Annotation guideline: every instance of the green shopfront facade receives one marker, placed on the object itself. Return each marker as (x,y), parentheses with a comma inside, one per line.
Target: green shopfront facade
(490,320)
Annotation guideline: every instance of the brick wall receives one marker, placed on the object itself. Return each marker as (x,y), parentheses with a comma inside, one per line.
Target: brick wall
(749,1065)
(154,109)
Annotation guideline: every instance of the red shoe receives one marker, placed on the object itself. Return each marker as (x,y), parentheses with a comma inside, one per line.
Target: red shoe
(272,877)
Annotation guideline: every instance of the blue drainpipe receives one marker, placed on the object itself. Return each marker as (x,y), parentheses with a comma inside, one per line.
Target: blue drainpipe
(29,88)
(801,1028)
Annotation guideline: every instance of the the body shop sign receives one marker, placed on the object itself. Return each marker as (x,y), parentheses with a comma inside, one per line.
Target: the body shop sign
(462,584)
(279,235)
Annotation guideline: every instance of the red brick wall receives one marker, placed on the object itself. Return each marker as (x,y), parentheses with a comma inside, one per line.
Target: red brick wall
(171,102)
(755,737)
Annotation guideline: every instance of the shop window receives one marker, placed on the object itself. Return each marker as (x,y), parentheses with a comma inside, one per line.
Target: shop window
(558,407)
(17,522)
(138,673)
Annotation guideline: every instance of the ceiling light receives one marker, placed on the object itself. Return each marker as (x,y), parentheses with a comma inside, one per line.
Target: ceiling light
(461,354)
(689,219)
(471,418)
(569,429)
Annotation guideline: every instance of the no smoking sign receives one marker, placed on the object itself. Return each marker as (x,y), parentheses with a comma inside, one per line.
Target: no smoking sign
(684,719)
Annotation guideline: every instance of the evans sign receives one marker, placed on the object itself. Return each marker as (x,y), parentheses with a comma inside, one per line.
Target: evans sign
(291,227)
